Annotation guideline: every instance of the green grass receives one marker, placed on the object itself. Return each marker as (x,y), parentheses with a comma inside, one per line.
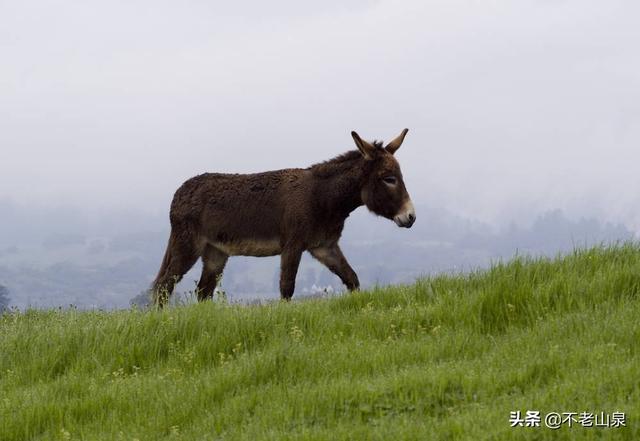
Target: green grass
(447,358)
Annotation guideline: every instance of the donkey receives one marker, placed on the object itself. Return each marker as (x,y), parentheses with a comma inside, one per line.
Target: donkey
(286,212)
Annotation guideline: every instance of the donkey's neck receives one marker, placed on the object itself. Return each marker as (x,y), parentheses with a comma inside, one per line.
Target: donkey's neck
(340,196)
(338,186)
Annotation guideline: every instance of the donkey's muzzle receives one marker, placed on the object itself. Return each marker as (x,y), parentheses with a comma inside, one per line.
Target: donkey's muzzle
(407,215)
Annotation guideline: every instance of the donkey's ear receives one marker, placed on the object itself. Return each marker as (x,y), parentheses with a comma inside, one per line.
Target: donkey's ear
(397,142)
(367,149)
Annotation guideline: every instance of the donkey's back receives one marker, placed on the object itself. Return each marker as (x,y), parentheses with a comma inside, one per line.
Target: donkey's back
(239,213)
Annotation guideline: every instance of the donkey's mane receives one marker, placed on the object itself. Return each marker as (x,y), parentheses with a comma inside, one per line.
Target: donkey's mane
(340,163)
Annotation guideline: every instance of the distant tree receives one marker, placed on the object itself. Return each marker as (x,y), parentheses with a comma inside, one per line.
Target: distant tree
(142,300)
(4,298)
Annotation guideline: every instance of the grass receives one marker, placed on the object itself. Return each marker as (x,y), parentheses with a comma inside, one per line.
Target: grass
(445,359)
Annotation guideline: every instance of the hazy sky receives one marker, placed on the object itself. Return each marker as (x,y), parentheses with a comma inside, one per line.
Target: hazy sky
(514,107)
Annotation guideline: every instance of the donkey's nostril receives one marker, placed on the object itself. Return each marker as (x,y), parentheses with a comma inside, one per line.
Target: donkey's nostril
(412,217)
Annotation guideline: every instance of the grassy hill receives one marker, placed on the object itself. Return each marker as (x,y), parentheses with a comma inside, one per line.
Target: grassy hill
(447,358)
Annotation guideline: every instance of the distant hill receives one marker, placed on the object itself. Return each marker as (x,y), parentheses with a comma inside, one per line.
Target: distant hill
(51,258)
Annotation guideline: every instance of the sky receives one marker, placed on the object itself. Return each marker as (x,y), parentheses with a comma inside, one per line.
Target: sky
(514,108)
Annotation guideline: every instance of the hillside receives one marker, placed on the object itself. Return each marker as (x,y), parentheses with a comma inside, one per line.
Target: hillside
(447,358)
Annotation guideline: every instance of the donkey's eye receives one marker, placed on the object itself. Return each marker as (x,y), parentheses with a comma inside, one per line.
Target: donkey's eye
(391,180)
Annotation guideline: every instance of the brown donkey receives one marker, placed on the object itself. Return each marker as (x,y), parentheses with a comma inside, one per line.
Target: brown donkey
(286,212)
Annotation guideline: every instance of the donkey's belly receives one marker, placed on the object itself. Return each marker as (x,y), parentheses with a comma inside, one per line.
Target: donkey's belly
(250,247)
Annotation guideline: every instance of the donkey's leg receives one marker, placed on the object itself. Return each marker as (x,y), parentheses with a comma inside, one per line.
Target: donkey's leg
(333,259)
(213,262)
(289,262)
(182,252)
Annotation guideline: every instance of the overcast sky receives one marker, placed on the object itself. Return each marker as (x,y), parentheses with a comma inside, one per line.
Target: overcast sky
(514,107)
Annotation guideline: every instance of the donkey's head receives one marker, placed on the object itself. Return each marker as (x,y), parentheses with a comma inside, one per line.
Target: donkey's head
(384,192)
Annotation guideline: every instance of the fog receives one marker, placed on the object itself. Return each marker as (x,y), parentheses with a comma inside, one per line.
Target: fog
(515,109)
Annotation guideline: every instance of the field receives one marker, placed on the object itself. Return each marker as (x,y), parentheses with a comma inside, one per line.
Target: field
(445,359)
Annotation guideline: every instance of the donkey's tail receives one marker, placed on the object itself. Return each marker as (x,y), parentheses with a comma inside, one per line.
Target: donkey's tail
(158,288)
